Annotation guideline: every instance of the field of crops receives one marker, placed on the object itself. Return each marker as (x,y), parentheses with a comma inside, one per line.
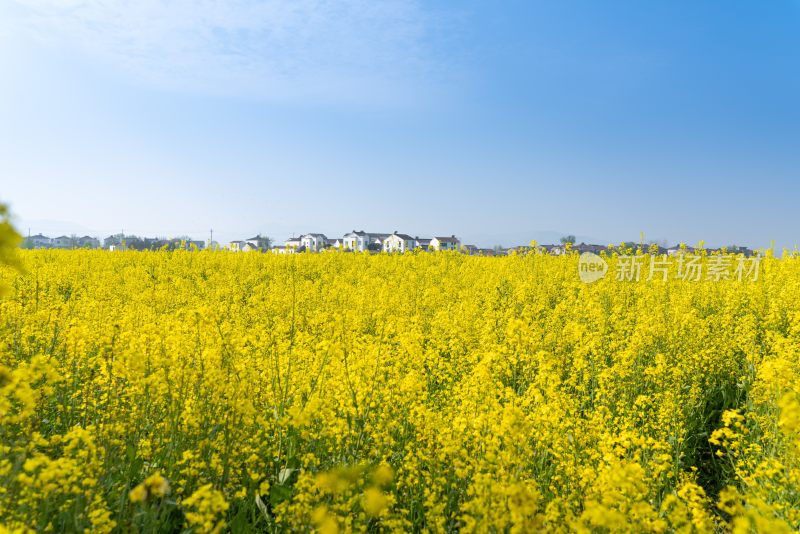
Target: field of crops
(200,391)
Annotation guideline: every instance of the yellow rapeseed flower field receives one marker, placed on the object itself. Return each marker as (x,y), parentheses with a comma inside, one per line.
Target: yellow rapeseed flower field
(213,391)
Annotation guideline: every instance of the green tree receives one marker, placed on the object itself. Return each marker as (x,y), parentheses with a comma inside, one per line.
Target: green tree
(9,241)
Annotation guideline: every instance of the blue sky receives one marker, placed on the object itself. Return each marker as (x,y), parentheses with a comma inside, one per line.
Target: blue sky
(496,121)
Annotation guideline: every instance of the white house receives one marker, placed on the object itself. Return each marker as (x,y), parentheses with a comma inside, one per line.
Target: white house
(292,244)
(357,241)
(259,242)
(40,241)
(313,242)
(88,242)
(445,243)
(360,240)
(398,243)
(62,242)
(236,246)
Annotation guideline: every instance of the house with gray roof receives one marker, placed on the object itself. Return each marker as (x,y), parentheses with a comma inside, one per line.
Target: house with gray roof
(445,243)
(422,242)
(360,241)
(313,242)
(397,242)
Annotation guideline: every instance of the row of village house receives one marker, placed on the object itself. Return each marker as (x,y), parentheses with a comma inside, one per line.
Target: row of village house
(359,241)
(113,242)
(42,241)
(355,241)
(396,242)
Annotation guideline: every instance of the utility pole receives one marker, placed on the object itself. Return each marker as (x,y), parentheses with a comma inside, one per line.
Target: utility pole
(211,239)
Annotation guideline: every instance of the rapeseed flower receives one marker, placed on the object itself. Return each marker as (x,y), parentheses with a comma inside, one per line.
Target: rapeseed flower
(419,392)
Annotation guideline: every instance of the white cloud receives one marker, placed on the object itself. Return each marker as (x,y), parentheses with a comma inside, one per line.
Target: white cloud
(291,49)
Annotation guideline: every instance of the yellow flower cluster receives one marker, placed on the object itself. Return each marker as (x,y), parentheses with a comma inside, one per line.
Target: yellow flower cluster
(204,507)
(154,486)
(208,391)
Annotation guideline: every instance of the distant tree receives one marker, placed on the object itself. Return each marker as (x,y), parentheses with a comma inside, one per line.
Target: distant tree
(263,242)
(133,242)
(567,239)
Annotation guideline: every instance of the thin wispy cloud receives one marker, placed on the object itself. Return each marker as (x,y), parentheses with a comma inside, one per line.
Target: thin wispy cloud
(311,49)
